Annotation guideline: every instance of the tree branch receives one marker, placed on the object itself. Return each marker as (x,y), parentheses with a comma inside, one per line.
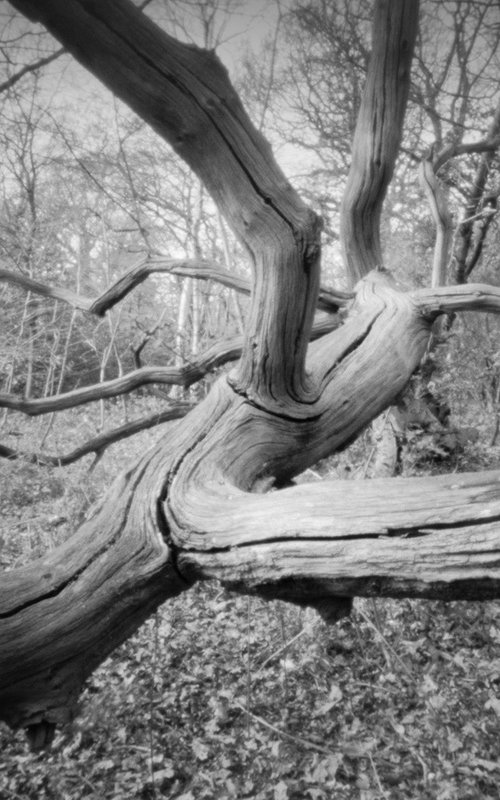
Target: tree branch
(488,145)
(189,508)
(468,251)
(66,295)
(420,537)
(42,62)
(216,356)
(135,275)
(99,443)
(463,297)
(328,299)
(378,134)
(185,94)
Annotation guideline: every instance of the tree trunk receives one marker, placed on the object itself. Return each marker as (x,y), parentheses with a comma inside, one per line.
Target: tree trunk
(193,508)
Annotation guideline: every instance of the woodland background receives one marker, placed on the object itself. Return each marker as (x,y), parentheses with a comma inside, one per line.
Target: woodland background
(220,696)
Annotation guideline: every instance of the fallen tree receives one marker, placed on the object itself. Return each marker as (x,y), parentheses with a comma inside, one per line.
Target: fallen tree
(214,499)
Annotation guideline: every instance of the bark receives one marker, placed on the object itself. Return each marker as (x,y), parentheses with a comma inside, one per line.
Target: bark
(193,508)
(378,134)
(376,144)
(186,512)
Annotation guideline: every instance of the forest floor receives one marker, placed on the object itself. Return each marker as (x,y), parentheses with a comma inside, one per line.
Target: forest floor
(222,697)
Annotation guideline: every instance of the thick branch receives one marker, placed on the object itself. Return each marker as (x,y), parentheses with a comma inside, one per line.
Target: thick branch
(449,299)
(189,268)
(435,537)
(378,134)
(58,293)
(189,508)
(488,145)
(137,274)
(185,94)
(61,616)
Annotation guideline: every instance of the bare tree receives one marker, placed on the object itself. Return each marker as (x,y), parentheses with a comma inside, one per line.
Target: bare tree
(199,505)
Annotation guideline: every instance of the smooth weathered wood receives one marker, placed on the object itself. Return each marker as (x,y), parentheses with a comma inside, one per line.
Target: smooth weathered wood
(378,134)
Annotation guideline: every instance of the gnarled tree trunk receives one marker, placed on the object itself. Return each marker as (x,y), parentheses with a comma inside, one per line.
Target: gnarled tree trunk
(194,506)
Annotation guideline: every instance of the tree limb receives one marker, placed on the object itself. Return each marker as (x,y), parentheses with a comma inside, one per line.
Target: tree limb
(462,297)
(488,145)
(216,356)
(42,62)
(66,295)
(98,443)
(328,299)
(378,134)
(135,275)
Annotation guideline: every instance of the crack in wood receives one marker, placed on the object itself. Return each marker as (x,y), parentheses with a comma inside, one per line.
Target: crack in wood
(84,567)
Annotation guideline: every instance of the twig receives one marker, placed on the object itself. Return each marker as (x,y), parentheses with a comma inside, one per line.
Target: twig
(297,739)
(280,650)
(385,642)
(374,770)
